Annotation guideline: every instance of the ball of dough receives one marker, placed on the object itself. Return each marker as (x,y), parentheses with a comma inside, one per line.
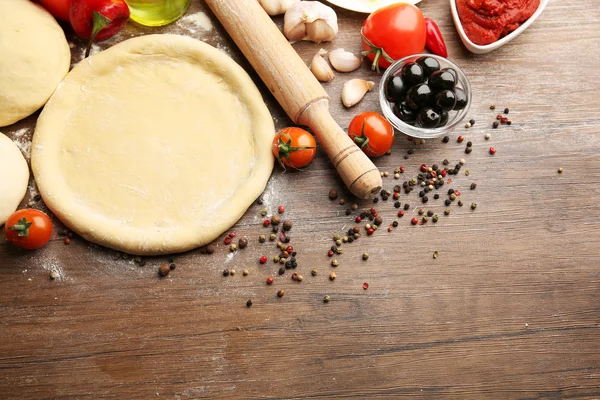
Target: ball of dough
(34,58)
(14,176)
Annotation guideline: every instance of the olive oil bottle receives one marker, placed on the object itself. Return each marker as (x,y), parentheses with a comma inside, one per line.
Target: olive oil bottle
(157,12)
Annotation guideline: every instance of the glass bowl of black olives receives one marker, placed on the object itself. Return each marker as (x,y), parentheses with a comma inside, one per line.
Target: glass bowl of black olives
(424,95)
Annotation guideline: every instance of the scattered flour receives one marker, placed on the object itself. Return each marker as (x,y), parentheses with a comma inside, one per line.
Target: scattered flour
(196,21)
(52,265)
(22,138)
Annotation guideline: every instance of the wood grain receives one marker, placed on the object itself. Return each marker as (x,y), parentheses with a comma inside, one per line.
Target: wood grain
(509,310)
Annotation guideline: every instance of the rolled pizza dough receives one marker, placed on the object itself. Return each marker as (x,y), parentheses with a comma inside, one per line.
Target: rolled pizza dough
(14,176)
(34,58)
(154,146)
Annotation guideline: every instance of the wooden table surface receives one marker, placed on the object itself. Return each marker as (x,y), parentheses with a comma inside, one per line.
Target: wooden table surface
(510,309)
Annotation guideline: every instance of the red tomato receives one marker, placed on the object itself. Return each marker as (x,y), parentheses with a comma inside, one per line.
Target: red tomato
(294,147)
(397,29)
(372,133)
(29,229)
(58,8)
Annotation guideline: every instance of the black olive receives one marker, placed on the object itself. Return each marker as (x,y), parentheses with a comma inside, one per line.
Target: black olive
(429,65)
(412,73)
(419,96)
(404,113)
(395,89)
(446,100)
(428,118)
(461,99)
(442,80)
(453,72)
(443,118)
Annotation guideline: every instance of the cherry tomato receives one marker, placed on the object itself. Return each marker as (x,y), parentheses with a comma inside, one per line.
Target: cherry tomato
(29,229)
(372,133)
(294,147)
(58,8)
(397,30)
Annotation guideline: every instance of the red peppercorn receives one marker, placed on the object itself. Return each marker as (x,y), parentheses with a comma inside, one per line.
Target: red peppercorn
(503,120)
(289,249)
(270,280)
(409,138)
(227,240)
(266,222)
(370,231)
(460,139)
(499,116)
(424,168)
(492,151)
(444,173)
(358,219)
(373,211)
(414,221)
(281,209)
(365,285)
(330,253)
(232,234)
(396,196)
(401,213)
(401,169)
(263,259)
(389,229)
(374,214)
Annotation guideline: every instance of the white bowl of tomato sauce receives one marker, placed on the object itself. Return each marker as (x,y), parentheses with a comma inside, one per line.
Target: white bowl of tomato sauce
(481,39)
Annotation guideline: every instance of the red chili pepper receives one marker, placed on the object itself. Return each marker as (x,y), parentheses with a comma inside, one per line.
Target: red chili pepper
(97,19)
(434,40)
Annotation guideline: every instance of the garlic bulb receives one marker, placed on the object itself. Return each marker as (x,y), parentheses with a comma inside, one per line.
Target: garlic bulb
(276,7)
(344,61)
(354,90)
(320,68)
(310,20)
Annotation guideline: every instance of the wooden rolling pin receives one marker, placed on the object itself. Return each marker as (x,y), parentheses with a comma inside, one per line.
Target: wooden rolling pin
(295,88)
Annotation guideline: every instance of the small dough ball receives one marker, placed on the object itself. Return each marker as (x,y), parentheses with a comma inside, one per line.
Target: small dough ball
(14,176)
(34,58)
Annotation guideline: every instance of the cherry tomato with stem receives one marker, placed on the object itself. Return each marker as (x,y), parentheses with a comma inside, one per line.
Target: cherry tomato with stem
(294,147)
(393,32)
(28,229)
(372,133)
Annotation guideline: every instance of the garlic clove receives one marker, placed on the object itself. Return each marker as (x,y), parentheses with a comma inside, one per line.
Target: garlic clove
(344,61)
(320,31)
(276,7)
(354,90)
(320,68)
(310,20)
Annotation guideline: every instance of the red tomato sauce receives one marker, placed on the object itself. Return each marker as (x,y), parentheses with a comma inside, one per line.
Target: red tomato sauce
(486,21)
